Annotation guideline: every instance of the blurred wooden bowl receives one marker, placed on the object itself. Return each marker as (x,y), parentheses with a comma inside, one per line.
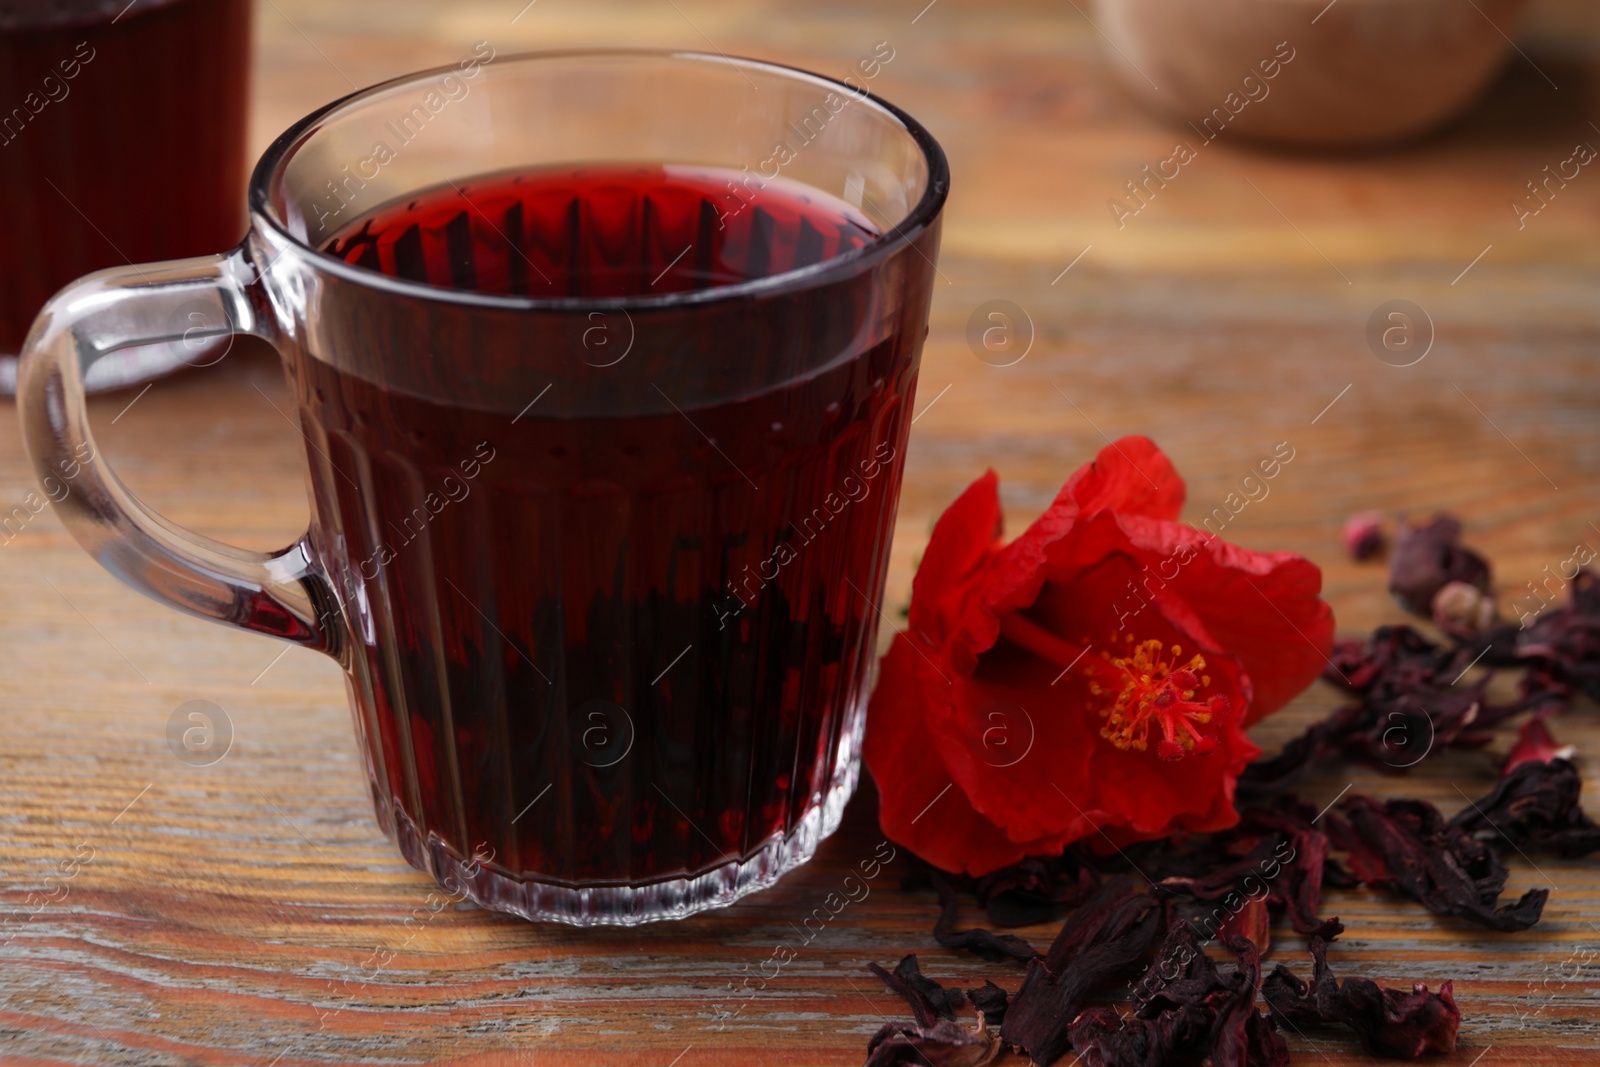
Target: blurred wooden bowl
(1364,72)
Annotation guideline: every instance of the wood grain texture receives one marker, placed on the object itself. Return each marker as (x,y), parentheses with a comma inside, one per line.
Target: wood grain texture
(231,914)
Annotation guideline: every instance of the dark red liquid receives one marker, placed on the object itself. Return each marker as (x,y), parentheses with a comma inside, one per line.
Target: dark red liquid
(603,232)
(122,139)
(633,648)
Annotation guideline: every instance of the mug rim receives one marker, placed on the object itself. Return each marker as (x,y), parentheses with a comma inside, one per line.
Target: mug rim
(269,168)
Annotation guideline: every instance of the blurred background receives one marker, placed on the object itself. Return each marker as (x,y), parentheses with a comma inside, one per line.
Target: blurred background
(1241,298)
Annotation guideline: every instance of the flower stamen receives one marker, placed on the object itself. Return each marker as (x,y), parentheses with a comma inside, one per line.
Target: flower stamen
(1156,691)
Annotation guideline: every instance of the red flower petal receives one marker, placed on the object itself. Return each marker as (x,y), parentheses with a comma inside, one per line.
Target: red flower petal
(1284,642)
(1130,476)
(953,565)
(918,806)
(1093,677)
(1073,780)
(1262,607)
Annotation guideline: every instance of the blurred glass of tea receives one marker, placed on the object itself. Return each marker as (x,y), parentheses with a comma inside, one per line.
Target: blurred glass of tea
(122,140)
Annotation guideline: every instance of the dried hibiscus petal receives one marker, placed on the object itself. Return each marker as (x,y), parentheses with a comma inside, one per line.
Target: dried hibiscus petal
(1565,643)
(1390,1023)
(1535,743)
(1036,889)
(1176,1039)
(1102,938)
(1535,806)
(1441,867)
(944,1044)
(1395,656)
(1409,703)
(991,1002)
(1366,862)
(1253,923)
(928,999)
(1301,891)
(1264,1045)
(1269,777)
(1225,874)
(983,943)
(1299,1003)
(1181,973)
(1285,866)
(1185,1011)
(1408,706)
(1541,691)
(1427,558)
(1400,1025)
(1241,1036)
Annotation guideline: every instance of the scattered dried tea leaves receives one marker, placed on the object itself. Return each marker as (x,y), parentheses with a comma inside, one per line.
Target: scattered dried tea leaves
(1102,938)
(944,1044)
(1438,865)
(1240,1035)
(1535,807)
(1393,659)
(1268,777)
(1037,889)
(1253,923)
(1409,703)
(1565,643)
(1105,1039)
(985,944)
(1264,1045)
(1284,868)
(1409,699)
(991,1002)
(929,1000)
(1389,1023)
(1185,1011)
(1181,973)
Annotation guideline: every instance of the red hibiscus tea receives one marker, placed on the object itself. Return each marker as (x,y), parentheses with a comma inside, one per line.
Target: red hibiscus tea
(603,231)
(653,626)
(603,456)
(122,134)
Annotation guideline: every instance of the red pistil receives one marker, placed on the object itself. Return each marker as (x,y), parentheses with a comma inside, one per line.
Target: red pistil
(1155,691)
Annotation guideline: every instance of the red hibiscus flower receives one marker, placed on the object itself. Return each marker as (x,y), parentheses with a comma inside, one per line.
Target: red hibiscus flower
(1094,675)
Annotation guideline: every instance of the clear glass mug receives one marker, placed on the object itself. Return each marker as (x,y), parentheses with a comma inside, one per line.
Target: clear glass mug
(603,572)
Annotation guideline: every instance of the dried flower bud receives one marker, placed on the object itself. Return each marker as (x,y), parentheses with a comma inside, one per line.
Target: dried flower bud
(1463,610)
(1363,535)
(1428,557)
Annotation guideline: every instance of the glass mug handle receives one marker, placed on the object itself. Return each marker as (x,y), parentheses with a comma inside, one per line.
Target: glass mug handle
(283,594)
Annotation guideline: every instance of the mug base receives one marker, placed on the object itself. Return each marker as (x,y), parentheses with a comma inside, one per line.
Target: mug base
(604,905)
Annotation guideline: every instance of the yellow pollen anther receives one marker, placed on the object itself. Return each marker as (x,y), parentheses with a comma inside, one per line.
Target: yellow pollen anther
(1157,691)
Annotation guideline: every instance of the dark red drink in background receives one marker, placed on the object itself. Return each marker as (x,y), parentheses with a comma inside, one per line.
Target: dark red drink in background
(122,139)
(654,625)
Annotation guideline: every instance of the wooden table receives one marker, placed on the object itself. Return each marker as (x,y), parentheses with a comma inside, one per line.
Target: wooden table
(227,910)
